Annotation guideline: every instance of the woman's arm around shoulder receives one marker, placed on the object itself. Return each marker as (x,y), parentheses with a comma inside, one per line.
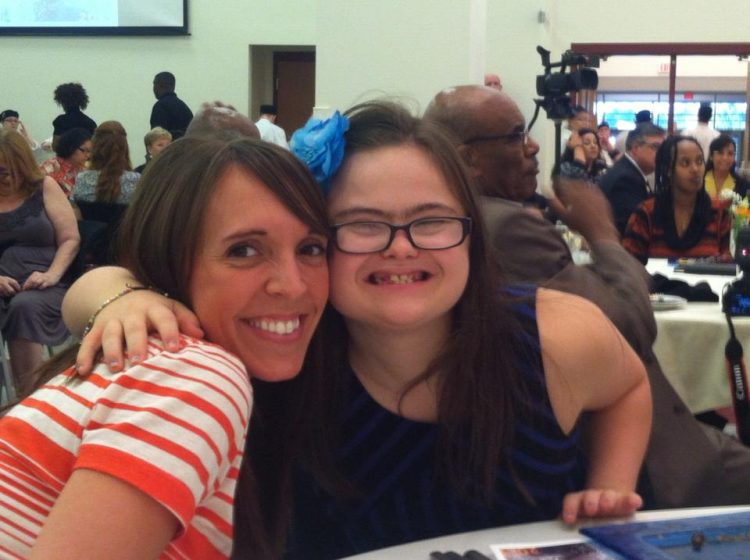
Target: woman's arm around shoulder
(590,367)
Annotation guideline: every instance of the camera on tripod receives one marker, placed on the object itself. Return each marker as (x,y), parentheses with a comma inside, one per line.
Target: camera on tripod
(554,87)
(736,297)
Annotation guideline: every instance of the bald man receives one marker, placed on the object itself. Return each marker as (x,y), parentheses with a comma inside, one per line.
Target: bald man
(688,463)
(493,81)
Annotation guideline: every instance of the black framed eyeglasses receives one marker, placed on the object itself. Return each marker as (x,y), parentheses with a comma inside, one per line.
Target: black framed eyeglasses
(521,136)
(433,233)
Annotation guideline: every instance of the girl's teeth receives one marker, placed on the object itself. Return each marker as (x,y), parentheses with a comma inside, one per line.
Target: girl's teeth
(398,278)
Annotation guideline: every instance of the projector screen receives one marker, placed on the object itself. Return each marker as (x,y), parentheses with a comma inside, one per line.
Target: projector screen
(93,17)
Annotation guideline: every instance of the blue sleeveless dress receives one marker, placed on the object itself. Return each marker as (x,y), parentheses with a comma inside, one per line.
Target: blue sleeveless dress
(391,460)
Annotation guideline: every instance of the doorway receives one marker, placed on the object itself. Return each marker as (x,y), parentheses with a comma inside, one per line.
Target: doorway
(285,76)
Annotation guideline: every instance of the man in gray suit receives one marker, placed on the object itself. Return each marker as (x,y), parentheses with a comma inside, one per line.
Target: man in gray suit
(688,463)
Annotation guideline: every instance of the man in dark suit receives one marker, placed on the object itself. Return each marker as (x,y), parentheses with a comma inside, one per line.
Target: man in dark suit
(169,111)
(687,463)
(625,183)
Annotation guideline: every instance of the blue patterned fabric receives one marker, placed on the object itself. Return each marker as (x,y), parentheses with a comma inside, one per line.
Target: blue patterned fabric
(391,460)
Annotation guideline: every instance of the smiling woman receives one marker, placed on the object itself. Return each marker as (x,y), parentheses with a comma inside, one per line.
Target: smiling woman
(161,442)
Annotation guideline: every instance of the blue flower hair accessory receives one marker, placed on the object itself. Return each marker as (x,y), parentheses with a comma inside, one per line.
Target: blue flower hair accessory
(320,145)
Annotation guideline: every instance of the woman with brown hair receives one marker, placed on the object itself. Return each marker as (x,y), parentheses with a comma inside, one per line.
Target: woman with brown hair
(39,238)
(143,463)
(110,178)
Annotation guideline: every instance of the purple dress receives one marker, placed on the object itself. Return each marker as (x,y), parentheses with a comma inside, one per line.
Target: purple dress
(27,242)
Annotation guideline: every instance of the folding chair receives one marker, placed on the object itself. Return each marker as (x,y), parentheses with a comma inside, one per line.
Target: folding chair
(7,386)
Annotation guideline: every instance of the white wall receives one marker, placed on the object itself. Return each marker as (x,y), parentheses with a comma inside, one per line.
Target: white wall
(365,48)
(117,72)
(368,49)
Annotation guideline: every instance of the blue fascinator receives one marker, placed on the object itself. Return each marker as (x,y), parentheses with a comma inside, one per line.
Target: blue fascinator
(320,145)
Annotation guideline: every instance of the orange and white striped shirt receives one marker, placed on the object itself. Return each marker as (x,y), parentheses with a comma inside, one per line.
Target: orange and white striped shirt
(173,426)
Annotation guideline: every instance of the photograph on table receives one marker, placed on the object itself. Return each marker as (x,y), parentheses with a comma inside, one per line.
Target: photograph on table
(559,550)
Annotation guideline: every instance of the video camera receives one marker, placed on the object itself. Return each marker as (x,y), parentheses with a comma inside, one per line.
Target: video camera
(555,87)
(736,297)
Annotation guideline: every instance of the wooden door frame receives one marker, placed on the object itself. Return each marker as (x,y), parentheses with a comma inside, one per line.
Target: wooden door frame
(673,50)
(287,56)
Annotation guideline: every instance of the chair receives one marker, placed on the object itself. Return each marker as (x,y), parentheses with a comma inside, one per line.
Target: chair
(7,385)
(97,229)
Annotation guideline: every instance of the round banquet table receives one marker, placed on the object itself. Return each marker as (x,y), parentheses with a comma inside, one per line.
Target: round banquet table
(531,533)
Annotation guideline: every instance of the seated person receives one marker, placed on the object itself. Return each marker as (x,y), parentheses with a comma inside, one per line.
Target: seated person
(144,463)
(155,141)
(11,119)
(39,240)
(110,178)
(583,149)
(681,220)
(721,168)
(72,152)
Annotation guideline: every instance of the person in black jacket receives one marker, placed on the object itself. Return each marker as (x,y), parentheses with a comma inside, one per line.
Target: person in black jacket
(625,183)
(169,111)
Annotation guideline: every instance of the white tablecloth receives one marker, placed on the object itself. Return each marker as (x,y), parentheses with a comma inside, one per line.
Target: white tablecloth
(537,533)
(690,343)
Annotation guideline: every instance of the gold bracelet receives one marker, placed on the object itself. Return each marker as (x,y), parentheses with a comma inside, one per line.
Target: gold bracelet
(106,302)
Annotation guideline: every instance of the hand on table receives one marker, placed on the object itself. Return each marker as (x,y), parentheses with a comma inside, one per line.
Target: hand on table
(599,503)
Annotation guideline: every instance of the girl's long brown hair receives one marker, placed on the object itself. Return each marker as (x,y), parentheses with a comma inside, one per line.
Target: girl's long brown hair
(481,393)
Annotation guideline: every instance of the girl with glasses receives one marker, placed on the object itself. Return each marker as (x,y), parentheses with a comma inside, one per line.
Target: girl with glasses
(440,400)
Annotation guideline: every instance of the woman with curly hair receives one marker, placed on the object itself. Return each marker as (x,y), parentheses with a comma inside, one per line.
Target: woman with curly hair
(73,99)
(110,178)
